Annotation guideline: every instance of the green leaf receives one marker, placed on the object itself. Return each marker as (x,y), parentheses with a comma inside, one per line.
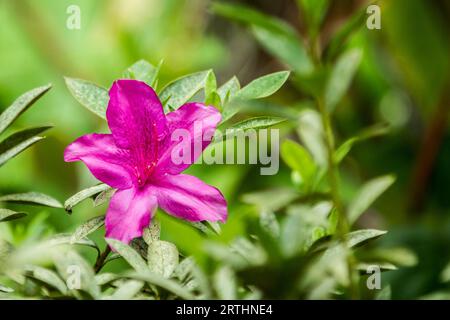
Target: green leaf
(269,223)
(84,194)
(8,215)
(271,199)
(32,198)
(46,276)
(87,228)
(384,294)
(314,12)
(310,131)
(287,47)
(152,232)
(179,91)
(360,237)
(445,274)
(73,267)
(18,142)
(20,105)
(166,284)
(346,147)
(367,194)
(66,238)
(6,289)
(144,71)
(225,283)
(90,95)
(298,159)
(127,290)
(104,197)
(253,123)
(129,254)
(341,77)
(229,89)
(264,86)
(162,258)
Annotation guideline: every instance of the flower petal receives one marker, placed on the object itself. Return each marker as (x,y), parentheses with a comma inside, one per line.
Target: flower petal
(136,118)
(106,162)
(189,198)
(129,212)
(197,121)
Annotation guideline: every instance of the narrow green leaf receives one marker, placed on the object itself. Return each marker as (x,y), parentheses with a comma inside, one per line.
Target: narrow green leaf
(298,159)
(32,198)
(129,254)
(179,91)
(360,237)
(84,194)
(269,223)
(341,77)
(314,12)
(18,142)
(104,197)
(144,71)
(310,131)
(272,199)
(162,258)
(127,290)
(368,193)
(90,95)
(66,238)
(46,276)
(87,228)
(8,215)
(264,86)
(6,289)
(229,89)
(152,232)
(225,283)
(253,123)
(20,105)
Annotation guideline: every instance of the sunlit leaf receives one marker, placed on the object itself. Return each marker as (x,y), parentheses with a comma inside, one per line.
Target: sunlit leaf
(20,105)
(31,198)
(8,215)
(84,194)
(144,71)
(264,86)
(162,258)
(179,91)
(341,77)
(87,228)
(229,89)
(366,195)
(359,237)
(90,95)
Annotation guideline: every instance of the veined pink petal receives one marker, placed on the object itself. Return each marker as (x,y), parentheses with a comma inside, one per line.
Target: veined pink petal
(195,119)
(189,198)
(106,162)
(137,122)
(129,212)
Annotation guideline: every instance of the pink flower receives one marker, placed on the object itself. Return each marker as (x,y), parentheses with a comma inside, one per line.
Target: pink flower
(136,159)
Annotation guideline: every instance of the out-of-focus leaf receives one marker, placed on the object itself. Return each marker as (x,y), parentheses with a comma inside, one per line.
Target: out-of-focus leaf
(225,283)
(272,199)
(314,12)
(276,36)
(127,290)
(310,130)
(264,86)
(47,276)
(90,95)
(229,89)
(360,237)
(87,228)
(6,289)
(20,105)
(129,254)
(445,275)
(341,77)
(162,258)
(166,284)
(18,142)
(84,194)
(384,294)
(179,91)
(384,266)
(8,215)
(401,257)
(32,198)
(143,71)
(346,147)
(76,272)
(152,232)
(105,277)
(104,197)
(367,194)
(269,222)
(66,238)
(298,159)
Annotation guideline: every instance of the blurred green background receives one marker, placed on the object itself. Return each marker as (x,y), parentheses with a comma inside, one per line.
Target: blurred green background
(403,80)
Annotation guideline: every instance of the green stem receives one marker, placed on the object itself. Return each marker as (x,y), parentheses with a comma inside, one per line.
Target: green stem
(101,259)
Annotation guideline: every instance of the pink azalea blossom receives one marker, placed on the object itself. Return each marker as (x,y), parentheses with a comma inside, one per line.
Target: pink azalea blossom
(135,159)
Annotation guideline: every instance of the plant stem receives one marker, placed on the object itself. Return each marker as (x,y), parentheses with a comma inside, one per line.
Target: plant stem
(100,262)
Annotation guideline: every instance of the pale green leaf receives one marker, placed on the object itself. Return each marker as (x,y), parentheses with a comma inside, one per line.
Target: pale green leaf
(225,283)
(104,197)
(152,232)
(127,290)
(229,89)
(129,254)
(32,198)
(271,199)
(144,71)
(87,228)
(162,258)
(298,159)
(359,237)
(20,105)
(84,194)
(8,215)
(366,195)
(90,95)
(46,276)
(253,123)
(9,149)
(264,86)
